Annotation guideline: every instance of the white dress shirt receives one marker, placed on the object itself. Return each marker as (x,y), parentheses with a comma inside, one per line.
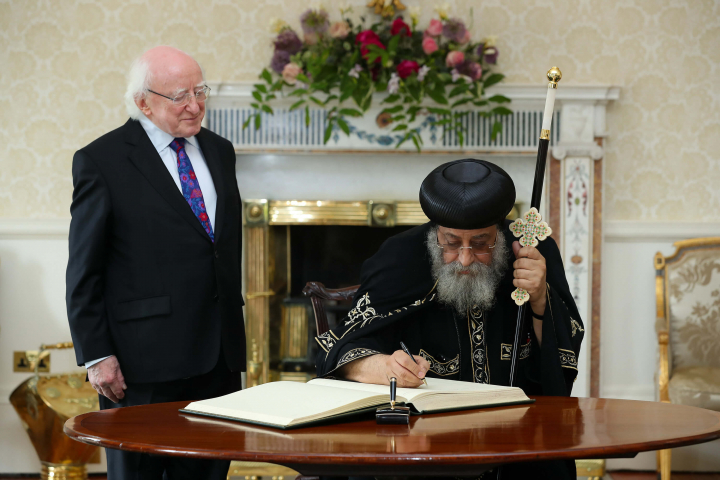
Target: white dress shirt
(161,141)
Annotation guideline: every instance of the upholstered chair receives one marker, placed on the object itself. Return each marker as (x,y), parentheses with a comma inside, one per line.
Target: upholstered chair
(688,328)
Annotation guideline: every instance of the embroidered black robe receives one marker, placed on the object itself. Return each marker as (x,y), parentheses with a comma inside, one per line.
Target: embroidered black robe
(397,302)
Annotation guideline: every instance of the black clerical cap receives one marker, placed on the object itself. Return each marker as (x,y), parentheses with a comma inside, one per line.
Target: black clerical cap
(467,194)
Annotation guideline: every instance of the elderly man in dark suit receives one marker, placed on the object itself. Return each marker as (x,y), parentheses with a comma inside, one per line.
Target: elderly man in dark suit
(153,278)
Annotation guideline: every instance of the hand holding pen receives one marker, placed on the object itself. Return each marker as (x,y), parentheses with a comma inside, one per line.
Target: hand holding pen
(405,349)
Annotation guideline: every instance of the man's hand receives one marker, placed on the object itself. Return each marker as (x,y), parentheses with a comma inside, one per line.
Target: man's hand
(379,369)
(530,274)
(107,379)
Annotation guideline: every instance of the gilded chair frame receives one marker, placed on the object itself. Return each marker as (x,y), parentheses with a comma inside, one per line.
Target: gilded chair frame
(662,327)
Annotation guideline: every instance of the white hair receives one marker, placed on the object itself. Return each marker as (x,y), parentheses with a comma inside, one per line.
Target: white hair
(138,84)
(139,79)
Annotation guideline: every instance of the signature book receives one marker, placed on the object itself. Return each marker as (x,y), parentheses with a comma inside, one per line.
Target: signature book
(292,404)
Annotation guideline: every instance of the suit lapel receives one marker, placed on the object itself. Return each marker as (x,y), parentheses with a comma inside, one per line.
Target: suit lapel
(212,158)
(147,160)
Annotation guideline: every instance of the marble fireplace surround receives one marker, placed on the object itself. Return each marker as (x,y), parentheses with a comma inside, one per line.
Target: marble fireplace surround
(285,161)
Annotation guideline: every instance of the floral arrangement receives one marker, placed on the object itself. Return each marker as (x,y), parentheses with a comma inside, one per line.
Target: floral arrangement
(339,65)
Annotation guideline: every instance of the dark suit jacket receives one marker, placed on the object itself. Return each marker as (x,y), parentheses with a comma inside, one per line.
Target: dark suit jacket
(144,280)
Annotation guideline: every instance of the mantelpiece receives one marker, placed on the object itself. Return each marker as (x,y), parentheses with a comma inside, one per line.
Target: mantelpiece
(287,161)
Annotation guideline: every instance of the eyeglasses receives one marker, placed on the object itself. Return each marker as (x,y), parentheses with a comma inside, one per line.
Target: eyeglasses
(184,98)
(477,249)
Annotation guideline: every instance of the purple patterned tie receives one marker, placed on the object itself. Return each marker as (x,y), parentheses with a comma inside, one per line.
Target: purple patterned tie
(190,186)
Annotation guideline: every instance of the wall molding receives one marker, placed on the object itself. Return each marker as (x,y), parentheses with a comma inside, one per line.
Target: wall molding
(34,227)
(634,231)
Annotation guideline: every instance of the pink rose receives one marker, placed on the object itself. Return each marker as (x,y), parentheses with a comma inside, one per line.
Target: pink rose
(465,38)
(435,27)
(407,68)
(339,30)
(429,45)
(290,72)
(454,58)
(311,38)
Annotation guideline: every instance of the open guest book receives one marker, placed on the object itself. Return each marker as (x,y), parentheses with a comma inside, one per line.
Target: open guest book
(292,404)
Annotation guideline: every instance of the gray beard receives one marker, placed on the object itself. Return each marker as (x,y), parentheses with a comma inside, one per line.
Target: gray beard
(464,291)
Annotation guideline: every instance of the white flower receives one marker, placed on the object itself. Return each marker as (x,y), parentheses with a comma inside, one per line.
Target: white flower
(490,41)
(414,13)
(458,76)
(299,84)
(394,83)
(443,10)
(422,72)
(277,24)
(355,71)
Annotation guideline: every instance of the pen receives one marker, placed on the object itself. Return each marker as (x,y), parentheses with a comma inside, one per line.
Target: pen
(405,349)
(393,385)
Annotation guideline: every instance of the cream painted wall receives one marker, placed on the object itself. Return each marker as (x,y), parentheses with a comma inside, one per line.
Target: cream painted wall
(64,61)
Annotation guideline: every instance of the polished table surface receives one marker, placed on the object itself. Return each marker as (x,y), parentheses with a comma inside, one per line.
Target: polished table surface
(456,443)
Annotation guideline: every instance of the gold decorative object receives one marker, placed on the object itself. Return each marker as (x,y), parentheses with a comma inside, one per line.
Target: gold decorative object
(386,8)
(254,470)
(530,229)
(44,404)
(254,367)
(554,75)
(593,469)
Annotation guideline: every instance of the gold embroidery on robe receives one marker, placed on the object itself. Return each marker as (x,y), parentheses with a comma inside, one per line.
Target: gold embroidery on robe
(481,371)
(567,359)
(441,368)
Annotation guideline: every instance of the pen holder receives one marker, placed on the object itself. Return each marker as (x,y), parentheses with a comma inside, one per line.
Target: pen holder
(397,415)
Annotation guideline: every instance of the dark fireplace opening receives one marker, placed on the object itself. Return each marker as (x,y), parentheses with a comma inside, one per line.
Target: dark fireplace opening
(332,254)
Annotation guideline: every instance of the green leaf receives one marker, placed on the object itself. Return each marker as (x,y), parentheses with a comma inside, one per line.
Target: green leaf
(442,122)
(267,109)
(270,97)
(480,103)
(277,86)
(260,87)
(461,137)
(296,105)
(402,126)
(439,111)
(298,92)
(315,100)
(413,110)
(247,122)
(395,109)
(462,101)
(497,128)
(346,94)
(330,99)
(438,97)
(493,79)
(265,75)
(343,126)
(501,111)
(258,121)
(307,116)
(328,132)
(303,78)
(351,112)
(393,44)
(499,99)
(255,106)
(392,98)
(405,138)
(257,96)
(458,90)
(415,141)
(397,118)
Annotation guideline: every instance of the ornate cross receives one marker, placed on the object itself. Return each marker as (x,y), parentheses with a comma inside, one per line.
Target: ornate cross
(530,229)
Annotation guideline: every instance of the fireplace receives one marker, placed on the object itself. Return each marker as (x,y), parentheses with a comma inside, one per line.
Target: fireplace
(300,184)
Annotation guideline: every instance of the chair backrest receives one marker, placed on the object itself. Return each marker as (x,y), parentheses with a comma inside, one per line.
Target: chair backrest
(688,303)
(318,292)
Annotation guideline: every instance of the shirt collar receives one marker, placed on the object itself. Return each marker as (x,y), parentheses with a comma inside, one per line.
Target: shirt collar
(160,139)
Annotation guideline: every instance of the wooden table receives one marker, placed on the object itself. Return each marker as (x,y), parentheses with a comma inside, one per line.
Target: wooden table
(457,443)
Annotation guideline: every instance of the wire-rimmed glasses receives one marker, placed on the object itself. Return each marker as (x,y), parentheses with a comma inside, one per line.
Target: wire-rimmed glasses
(183,99)
(478,249)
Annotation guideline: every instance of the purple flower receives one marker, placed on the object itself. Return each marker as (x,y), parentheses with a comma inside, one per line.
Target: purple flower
(288,41)
(314,21)
(470,69)
(279,60)
(454,30)
(491,55)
